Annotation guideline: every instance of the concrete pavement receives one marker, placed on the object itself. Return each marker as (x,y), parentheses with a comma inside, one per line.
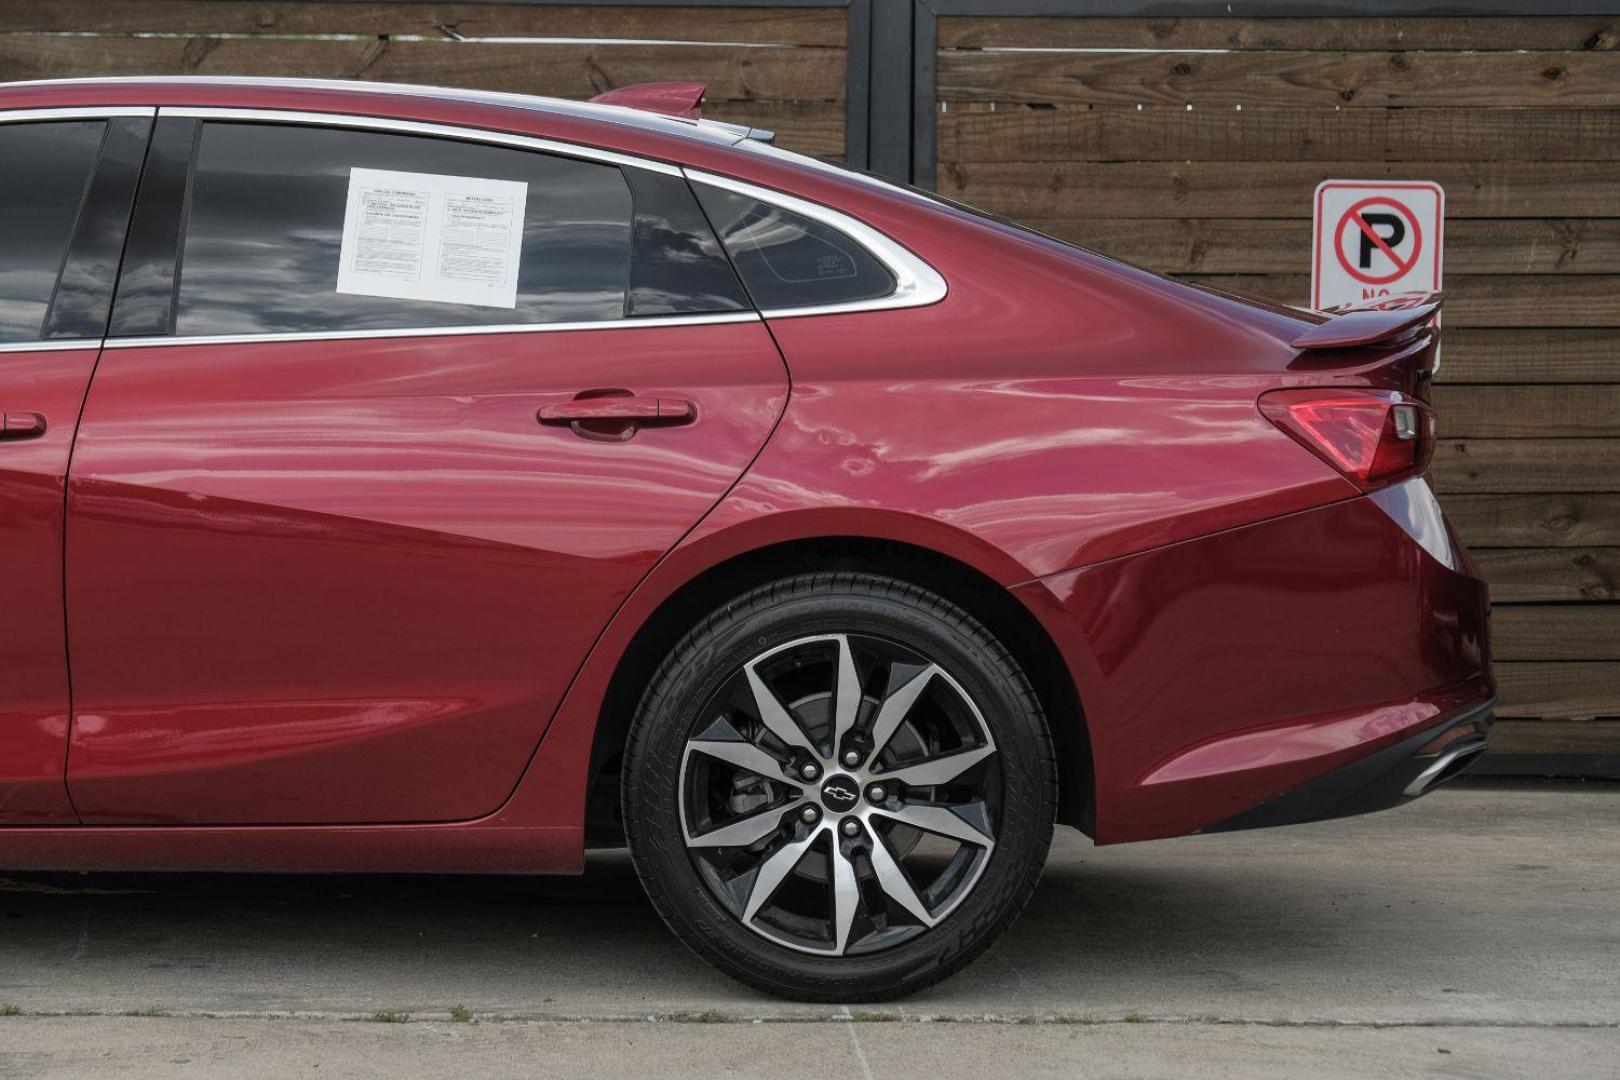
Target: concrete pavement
(139,1049)
(1484,921)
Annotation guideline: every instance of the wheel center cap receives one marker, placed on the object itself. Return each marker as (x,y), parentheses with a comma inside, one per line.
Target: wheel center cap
(840,794)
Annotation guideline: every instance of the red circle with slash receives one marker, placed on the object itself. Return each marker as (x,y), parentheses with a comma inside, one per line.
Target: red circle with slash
(1354,215)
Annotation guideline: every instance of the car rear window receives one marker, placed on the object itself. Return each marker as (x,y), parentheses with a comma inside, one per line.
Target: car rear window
(44,171)
(266,227)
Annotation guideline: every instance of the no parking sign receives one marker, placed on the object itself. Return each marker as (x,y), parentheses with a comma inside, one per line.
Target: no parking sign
(1375,238)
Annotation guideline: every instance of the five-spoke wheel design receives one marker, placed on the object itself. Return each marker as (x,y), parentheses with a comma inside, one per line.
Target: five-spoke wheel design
(840,794)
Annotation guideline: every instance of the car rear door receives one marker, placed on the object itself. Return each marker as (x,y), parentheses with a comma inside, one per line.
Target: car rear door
(67,179)
(344,517)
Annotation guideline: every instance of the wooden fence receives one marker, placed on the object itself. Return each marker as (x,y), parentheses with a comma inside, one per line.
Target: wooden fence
(776,68)
(1186,145)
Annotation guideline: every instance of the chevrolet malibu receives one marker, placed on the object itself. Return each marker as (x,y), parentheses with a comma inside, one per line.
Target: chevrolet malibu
(396,479)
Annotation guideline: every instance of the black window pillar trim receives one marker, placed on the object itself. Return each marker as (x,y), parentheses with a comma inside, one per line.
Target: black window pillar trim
(82,300)
(148,287)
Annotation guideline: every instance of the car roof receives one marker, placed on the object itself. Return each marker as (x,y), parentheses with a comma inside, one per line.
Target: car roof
(710,132)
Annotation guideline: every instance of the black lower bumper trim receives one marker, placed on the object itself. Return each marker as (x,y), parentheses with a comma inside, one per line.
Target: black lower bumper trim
(1388,777)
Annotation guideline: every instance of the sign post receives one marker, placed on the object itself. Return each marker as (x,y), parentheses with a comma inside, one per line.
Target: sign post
(1375,238)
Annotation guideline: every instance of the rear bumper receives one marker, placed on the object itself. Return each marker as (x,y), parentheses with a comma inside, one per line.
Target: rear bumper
(1223,673)
(1384,779)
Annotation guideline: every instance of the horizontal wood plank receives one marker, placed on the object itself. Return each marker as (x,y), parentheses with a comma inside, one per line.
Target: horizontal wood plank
(1017,132)
(1556,632)
(1526,466)
(1512,736)
(1529,355)
(1223,189)
(1471,300)
(789,26)
(566,70)
(1522,575)
(808,127)
(1260,245)
(1517,412)
(1578,32)
(1534,520)
(1261,78)
(1558,691)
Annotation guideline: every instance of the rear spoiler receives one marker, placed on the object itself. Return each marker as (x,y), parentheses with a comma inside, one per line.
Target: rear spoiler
(683,100)
(1386,320)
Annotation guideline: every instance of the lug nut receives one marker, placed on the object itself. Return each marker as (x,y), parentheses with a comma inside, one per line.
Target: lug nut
(851,827)
(808,815)
(852,759)
(809,771)
(877,793)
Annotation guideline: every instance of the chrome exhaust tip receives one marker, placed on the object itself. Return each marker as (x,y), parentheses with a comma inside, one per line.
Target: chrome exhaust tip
(1446,765)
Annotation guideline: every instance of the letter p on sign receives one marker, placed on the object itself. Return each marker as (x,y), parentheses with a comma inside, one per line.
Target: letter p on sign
(1375,238)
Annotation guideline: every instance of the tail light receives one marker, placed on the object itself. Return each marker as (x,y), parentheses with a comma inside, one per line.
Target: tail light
(1374,437)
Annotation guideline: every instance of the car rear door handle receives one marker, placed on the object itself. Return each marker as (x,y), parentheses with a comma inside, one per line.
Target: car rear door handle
(22,425)
(627,409)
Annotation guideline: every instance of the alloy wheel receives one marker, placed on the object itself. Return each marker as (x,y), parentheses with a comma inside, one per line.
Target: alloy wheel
(840,794)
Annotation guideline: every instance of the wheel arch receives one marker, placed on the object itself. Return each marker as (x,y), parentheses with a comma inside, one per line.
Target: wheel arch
(970,588)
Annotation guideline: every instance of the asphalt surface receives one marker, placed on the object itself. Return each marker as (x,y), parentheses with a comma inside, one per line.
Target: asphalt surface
(1474,934)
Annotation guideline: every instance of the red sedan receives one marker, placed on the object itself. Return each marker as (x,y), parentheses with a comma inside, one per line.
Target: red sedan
(413,480)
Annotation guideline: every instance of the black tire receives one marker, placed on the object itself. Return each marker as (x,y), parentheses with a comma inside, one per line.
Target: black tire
(848,604)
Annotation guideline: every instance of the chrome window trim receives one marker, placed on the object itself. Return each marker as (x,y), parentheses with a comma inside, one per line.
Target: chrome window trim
(916,283)
(419,127)
(85,112)
(650,323)
(51,345)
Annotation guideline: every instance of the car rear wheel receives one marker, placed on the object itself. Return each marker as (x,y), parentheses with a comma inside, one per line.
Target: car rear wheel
(839,787)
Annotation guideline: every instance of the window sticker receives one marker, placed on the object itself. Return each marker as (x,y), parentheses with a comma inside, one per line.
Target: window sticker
(420,236)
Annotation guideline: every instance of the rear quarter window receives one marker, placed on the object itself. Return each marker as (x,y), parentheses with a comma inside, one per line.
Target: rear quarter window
(788,260)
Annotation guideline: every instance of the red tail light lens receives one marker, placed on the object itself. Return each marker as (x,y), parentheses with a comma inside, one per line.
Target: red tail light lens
(1374,437)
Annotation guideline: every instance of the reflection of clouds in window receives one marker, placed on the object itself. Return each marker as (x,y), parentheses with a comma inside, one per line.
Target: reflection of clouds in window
(678,266)
(44,168)
(677,247)
(669,300)
(20,320)
(261,253)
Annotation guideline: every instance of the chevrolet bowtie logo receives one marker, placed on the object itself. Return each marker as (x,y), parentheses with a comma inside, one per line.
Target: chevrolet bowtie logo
(840,794)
